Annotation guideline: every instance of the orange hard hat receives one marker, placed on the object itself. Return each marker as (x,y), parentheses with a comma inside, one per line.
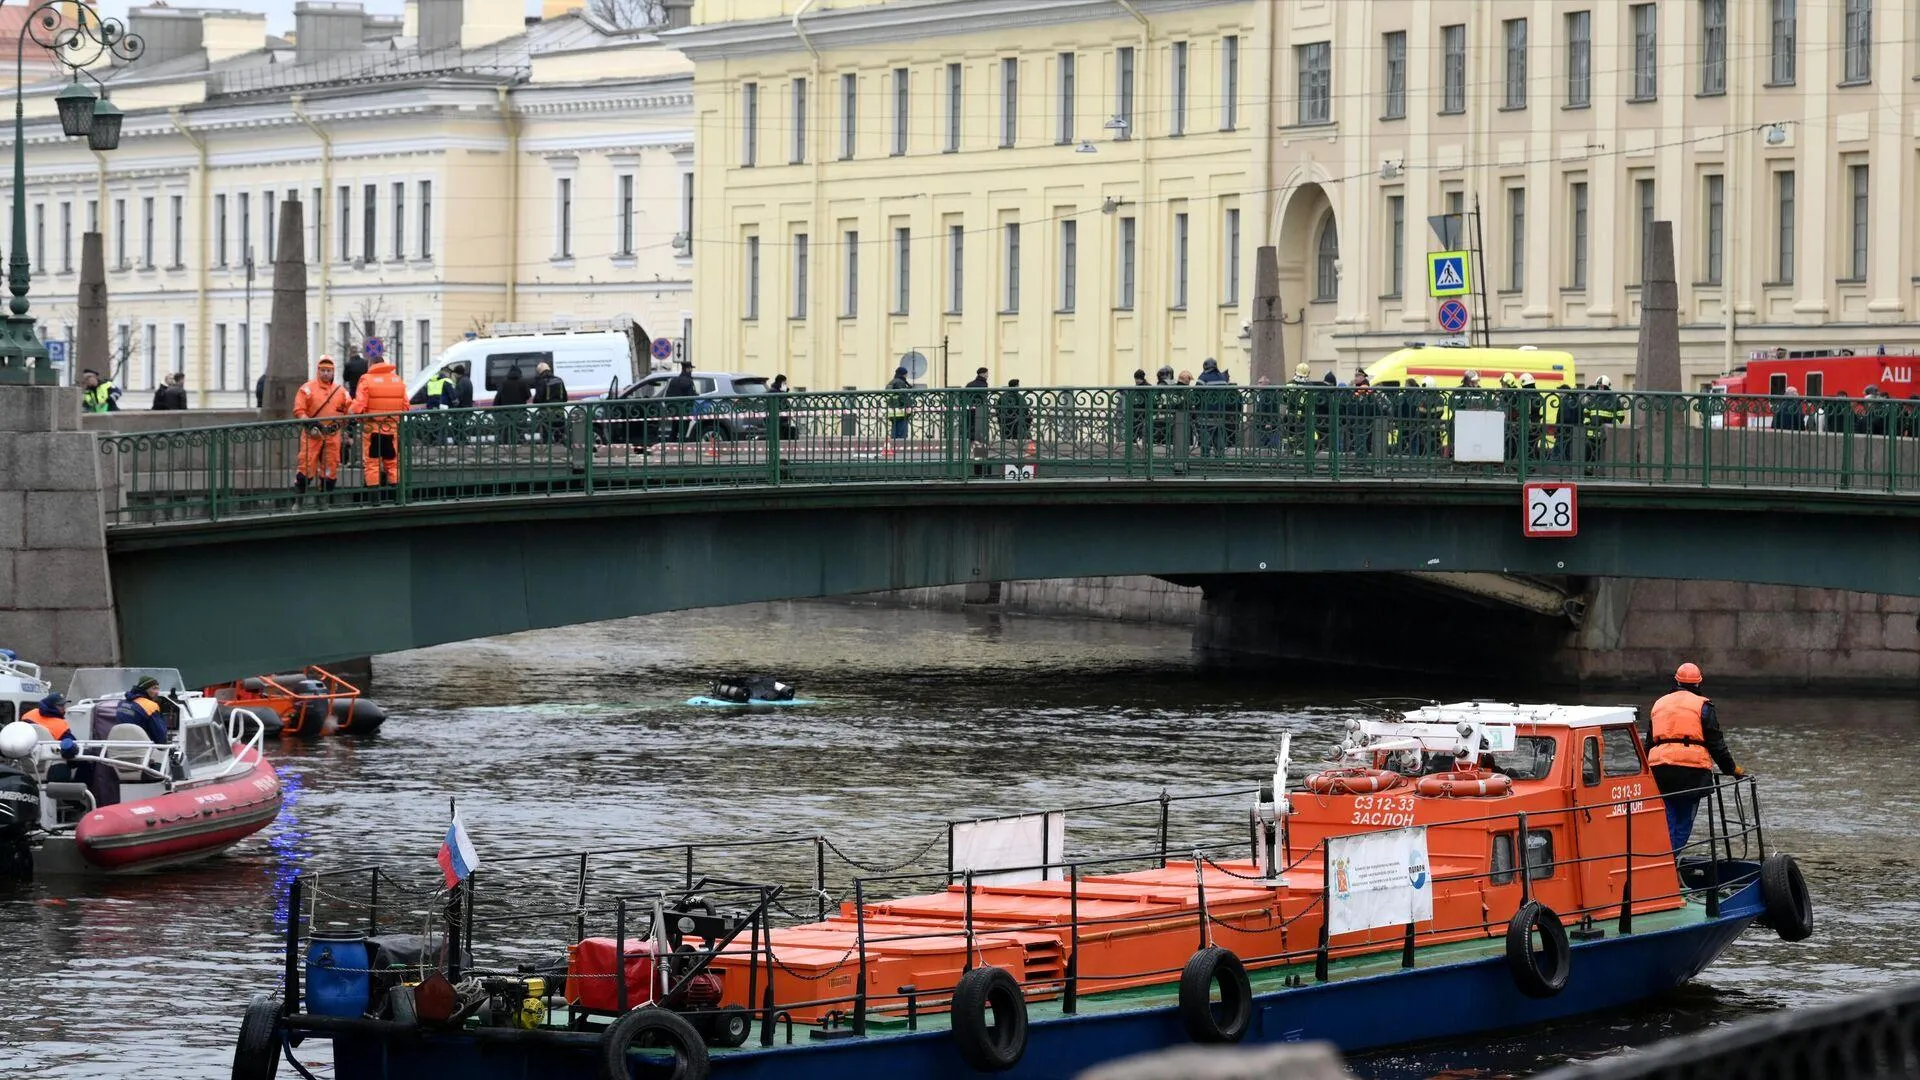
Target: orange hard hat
(1688,673)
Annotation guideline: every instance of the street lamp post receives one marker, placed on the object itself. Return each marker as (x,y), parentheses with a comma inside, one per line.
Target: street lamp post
(77,37)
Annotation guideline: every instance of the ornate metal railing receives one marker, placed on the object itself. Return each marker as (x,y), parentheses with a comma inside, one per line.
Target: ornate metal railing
(1306,433)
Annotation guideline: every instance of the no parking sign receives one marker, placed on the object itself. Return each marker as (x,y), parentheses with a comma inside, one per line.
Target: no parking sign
(375,349)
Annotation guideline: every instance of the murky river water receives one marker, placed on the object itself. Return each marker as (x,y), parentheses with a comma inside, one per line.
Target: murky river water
(578,737)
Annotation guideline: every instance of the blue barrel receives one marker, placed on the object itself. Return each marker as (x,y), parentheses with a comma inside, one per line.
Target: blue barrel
(337,978)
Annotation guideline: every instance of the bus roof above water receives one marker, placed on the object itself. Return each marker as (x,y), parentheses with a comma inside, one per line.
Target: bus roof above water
(1551,369)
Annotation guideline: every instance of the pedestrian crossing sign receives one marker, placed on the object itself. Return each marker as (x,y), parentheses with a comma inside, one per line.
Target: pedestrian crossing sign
(1447,274)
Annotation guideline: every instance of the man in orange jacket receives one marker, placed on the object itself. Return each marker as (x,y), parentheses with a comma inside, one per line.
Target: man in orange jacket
(1684,744)
(382,394)
(319,400)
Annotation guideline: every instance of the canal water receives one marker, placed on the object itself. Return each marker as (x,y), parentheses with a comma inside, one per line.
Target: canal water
(559,739)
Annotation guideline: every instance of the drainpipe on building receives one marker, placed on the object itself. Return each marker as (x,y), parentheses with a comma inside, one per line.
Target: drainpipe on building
(1143,147)
(320,216)
(816,354)
(202,382)
(512,125)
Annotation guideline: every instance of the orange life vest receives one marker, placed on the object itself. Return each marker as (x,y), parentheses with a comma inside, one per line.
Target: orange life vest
(1679,734)
(55,725)
(381,391)
(318,399)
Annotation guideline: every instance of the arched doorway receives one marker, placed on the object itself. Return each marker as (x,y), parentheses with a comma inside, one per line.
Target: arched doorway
(1310,271)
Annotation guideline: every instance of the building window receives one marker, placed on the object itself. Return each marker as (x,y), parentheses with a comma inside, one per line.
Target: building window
(344,219)
(753,277)
(1716,231)
(563,219)
(1316,74)
(1578,278)
(315,250)
(93,215)
(39,264)
(1066,103)
(66,235)
(395,345)
(219,353)
(1326,262)
(1180,274)
(246,356)
(120,233)
(219,228)
(1713,46)
(346,335)
(1179,120)
(1786,33)
(1857,180)
(426,219)
(955,84)
(1516,239)
(1453,68)
(902,108)
(1069,265)
(1123,78)
(849,114)
(151,338)
(850,302)
(180,347)
(902,271)
(749,124)
(1646,52)
(1516,36)
(268,220)
(1229,82)
(1579,58)
(799,154)
(399,221)
(1859,41)
(1129,250)
(956,268)
(1232,243)
(1396,49)
(686,210)
(626,215)
(423,340)
(1783,227)
(800,271)
(246,230)
(1011,304)
(176,209)
(147,225)
(1643,198)
(369,223)
(1396,244)
(1009,100)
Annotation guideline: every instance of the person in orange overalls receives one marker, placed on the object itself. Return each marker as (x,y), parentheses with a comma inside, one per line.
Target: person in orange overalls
(320,399)
(382,394)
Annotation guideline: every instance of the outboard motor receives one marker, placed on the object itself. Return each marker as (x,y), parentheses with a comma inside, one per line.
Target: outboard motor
(741,689)
(19,802)
(310,714)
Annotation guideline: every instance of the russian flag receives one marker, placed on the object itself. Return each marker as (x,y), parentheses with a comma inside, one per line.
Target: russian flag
(457,857)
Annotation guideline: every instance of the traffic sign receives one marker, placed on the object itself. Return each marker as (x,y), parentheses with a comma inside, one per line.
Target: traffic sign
(1550,510)
(662,349)
(1447,274)
(56,352)
(375,350)
(1453,316)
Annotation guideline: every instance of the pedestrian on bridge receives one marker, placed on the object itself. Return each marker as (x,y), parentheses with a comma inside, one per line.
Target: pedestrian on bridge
(172,394)
(899,407)
(1684,744)
(976,424)
(320,401)
(382,400)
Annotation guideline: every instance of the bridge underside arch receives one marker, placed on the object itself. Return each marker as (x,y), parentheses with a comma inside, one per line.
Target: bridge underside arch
(238,599)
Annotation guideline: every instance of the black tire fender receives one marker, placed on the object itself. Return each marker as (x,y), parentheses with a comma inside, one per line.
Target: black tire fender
(1789,908)
(1542,973)
(1205,1020)
(650,1026)
(996,1046)
(256,1053)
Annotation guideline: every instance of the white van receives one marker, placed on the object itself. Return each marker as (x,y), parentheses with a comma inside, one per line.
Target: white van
(593,363)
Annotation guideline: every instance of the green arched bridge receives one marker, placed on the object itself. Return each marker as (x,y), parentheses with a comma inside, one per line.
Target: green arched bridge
(515,519)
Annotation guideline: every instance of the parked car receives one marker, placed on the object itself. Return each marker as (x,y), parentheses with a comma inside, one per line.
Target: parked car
(724,409)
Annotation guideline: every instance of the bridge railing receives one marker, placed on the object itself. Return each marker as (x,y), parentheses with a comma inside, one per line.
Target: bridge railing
(1294,432)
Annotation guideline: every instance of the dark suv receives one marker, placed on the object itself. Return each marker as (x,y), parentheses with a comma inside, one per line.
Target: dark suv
(724,409)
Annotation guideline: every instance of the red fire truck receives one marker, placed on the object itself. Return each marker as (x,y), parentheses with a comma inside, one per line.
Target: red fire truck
(1814,373)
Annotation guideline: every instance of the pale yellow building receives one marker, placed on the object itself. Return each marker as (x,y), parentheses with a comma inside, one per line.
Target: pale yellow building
(456,168)
(1058,192)
(1779,136)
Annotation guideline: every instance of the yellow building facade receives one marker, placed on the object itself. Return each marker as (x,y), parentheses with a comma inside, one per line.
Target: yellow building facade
(1059,193)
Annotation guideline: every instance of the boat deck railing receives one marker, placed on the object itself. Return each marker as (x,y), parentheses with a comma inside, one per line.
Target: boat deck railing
(1712,869)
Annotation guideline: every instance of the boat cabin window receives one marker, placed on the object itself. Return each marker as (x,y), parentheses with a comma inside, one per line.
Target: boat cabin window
(1590,760)
(1530,759)
(206,745)
(1505,870)
(6,712)
(1622,755)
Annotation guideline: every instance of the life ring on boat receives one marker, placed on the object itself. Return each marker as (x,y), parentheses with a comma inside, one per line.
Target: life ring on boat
(653,1027)
(998,1046)
(1206,1020)
(1464,783)
(1788,910)
(1538,973)
(256,1053)
(1353,781)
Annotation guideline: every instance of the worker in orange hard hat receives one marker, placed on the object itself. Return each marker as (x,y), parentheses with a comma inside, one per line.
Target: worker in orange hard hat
(320,401)
(382,394)
(1684,744)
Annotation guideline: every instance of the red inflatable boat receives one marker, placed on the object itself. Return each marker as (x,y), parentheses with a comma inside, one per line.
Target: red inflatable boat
(192,821)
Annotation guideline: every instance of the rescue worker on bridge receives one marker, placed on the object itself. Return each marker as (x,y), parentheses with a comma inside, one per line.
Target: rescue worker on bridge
(382,395)
(319,399)
(100,394)
(1684,744)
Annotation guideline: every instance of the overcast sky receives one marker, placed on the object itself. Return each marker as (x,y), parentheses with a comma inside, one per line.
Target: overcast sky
(279,12)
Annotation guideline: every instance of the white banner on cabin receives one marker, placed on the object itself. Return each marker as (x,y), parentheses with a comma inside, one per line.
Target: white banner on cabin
(1004,851)
(1480,435)
(1378,879)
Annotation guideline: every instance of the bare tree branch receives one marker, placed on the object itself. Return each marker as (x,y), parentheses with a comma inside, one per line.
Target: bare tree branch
(628,14)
